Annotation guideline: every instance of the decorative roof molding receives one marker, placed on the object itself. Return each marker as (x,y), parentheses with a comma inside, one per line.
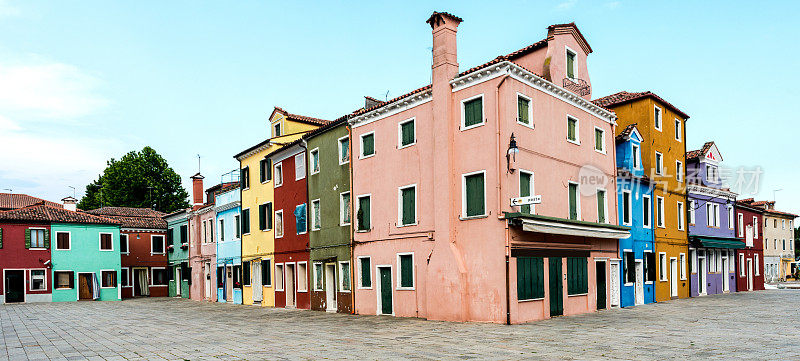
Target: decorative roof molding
(254,150)
(228,206)
(139,230)
(397,106)
(711,192)
(535,81)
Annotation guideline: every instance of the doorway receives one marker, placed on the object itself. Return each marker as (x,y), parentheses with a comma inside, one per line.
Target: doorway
(15,286)
(615,291)
(726,284)
(85,286)
(207,281)
(385,291)
(178,281)
(600,278)
(140,284)
(701,276)
(673,277)
(290,285)
(330,287)
(639,286)
(228,285)
(258,288)
(556,286)
(749,274)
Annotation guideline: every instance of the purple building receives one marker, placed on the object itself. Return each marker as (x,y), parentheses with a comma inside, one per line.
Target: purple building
(712,233)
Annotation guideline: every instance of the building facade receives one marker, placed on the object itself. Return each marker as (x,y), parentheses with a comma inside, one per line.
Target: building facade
(712,224)
(635,206)
(330,218)
(229,244)
(778,241)
(25,260)
(663,158)
(178,253)
(750,259)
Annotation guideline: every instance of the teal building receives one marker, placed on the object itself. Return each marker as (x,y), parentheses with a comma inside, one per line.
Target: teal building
(180,275)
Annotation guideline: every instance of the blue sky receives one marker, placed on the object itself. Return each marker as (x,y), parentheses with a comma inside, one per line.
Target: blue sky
(84,81)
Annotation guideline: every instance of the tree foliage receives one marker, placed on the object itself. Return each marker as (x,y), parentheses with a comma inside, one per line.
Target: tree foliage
(139,179)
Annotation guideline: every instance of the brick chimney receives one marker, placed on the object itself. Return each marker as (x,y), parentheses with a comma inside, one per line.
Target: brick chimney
(445,60)
(70,203)
(197,191)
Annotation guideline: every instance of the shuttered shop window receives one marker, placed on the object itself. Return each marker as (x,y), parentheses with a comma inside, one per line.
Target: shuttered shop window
(475,197)
(530,278)
(577,275)
(473,112)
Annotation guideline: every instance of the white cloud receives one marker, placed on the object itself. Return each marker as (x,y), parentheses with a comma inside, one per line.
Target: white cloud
(566,5)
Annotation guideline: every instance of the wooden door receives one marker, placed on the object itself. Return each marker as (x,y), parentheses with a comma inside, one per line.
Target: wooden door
(556,285)
(330,287)
(600,277)
(386,290)
(84,287)
(15,286)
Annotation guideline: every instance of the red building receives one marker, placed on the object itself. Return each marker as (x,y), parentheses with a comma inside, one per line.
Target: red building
(291,226)
(142,250)
(25,261)
(749,260)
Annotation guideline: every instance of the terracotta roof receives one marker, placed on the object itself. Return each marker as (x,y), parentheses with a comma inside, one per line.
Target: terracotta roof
(761,203)
(626,132)
(746,200)
(694,154)
(131,217)
(329,126)
(18,200)
(780,213)
(228,187)
(415,91)
(624,97)
(47,213)
(300,118)
(284,147)
(581,39)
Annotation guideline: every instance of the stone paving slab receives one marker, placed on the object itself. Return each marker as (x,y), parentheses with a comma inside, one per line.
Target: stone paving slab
(748,325)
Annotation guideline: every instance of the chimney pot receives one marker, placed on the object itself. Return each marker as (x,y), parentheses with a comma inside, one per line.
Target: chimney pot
(70,203)
(197,191)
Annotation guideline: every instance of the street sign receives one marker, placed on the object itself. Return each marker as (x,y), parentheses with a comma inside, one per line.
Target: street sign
(521,201)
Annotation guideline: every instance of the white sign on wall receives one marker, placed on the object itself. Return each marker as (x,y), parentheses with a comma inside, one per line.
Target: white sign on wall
(521,201)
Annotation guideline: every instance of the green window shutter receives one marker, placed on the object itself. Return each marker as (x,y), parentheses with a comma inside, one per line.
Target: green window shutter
(27,238)
(1,238)
(269,216)
(246,273)
(522,110)
(598,139)
(246,221)
(530,278)
(525,190)
(571,129)
(473,112)
(406,270)
(573,201)
(262,170)
(409,209)
(570,65)
(407,133)
(601,207)
(368,145)
(366,280)
(47,239)
(262,217)
(475,197)
(363,214)
(577,275)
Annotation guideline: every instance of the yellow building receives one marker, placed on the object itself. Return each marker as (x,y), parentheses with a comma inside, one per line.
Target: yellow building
(258,242)
(663,153)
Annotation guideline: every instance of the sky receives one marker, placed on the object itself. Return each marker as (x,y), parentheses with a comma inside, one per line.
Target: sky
(85,81)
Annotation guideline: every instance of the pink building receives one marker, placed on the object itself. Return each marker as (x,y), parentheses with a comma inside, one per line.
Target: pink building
(435,233)
(202,242)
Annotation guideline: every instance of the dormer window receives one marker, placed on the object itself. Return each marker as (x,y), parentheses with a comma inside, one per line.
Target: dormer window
(711,173)
(635,156)
(571,57)
(277,132)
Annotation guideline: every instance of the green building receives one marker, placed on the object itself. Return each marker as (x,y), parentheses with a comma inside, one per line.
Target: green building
(330,215)
(180,275)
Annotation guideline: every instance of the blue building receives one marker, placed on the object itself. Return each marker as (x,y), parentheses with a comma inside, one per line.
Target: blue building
(229,245)
(635,202)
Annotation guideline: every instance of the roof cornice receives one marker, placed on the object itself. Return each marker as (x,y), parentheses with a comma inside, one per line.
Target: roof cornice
(253,150)
(711,192)
(397,106)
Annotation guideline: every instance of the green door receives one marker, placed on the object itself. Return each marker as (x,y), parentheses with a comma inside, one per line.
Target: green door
(15,286)
(386,290)
(556,287)
(601,285)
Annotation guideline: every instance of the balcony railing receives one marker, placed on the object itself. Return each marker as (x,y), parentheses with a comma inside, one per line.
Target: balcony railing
(577,86)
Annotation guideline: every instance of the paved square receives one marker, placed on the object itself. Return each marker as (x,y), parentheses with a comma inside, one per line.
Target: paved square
(753,325)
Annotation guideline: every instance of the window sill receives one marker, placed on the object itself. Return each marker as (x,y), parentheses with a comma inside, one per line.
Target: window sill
(344,224)
(343,163)
(628,284)
(38,249)
(364,231)
(366,156)
(364,288)
(648,282)
(63,288)
(526,126)
(578,294)
(264,230)
(106,250)
(603,152)
(576,142)
(467,218)
(531,300)
(407,225)
(302,291)
(407,145)
(405,288)
(463,128)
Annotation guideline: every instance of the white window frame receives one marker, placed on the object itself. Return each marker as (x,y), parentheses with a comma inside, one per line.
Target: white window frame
(100,281)
(757,264)
(678,130)
(681,215)
(400,272)
(340,276)
(660,163)
(368,195)
(30,287)
(74,279)
(692,215)
(530,110)
(400,205)
(626,193)
(567,51)
(360,275)
(658,122)
(637,160)
(660,221)
(300,161)
(342,207)
(577,140)
(295,221)
(152,277)
(662,267)
(314,152)
(297,276)
(69,235)
(730,217)
(755,227)
(277,174)
(464,195)
(679,171)
(682,265)
(44,230)
(464,112)
(314,211)
(400,133)
(163,244)
(741,265)
(361,145)
(275,225)
(740,223)
(603,136)
(282,279)
(128,278)
(647,221)
(100,242)
(783,224)
(339,149)
(532,182)
(315,279)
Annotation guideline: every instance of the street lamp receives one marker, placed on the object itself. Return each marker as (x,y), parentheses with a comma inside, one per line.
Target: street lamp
(511,155)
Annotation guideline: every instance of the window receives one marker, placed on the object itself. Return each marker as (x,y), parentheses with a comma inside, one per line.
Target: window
(237,276)
(279,223)
(577,276)
(266,272)
(682,265)
(205,232)
(406,274)
(367,145)
(108,279)
(740,224)
(237,220)
(712,262)
(221,230)
(407,205)
(318,274)
(692,207)
(344,209)
(246,221)
(599,140)
(629,265)
(660,211)
(64,280)
(314,161)
(406,134)
(783,224)
(474,194)
(657,118)
(124,275)
(245,177)
(681,213)
(678,131)
(730,216)
(572,130)
(300,166)
(574,202)
(571,59)
(105,242)
(755,227)
(279,277)
(264,167)
(626,208)
(302,277)
(646,211)
(278,174)
(757,265)
(160,277)
(184,234)
(38,280)
(365,272)
(277,128)
(363,217)
(526,189)
(344,150)
(711,173)
(344,276)
(636,156)
(679,171)
(784,244)
(246,273)
(157,244)
(692,261)
(530,278)
(300,222)
(662,266)
(649,267)
(36,238)
(63,242)
(315,215)
(659,164)
(712,215)
(472,112)
(524,110)
(265,216)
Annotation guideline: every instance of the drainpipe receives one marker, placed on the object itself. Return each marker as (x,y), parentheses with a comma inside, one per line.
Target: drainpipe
(500,195)
(303,144)
(352,221)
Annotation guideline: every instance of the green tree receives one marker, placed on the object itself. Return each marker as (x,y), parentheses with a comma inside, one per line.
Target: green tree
(139,179)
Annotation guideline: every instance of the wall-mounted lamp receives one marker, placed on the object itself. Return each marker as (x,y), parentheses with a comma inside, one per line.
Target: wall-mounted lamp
(511,155)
